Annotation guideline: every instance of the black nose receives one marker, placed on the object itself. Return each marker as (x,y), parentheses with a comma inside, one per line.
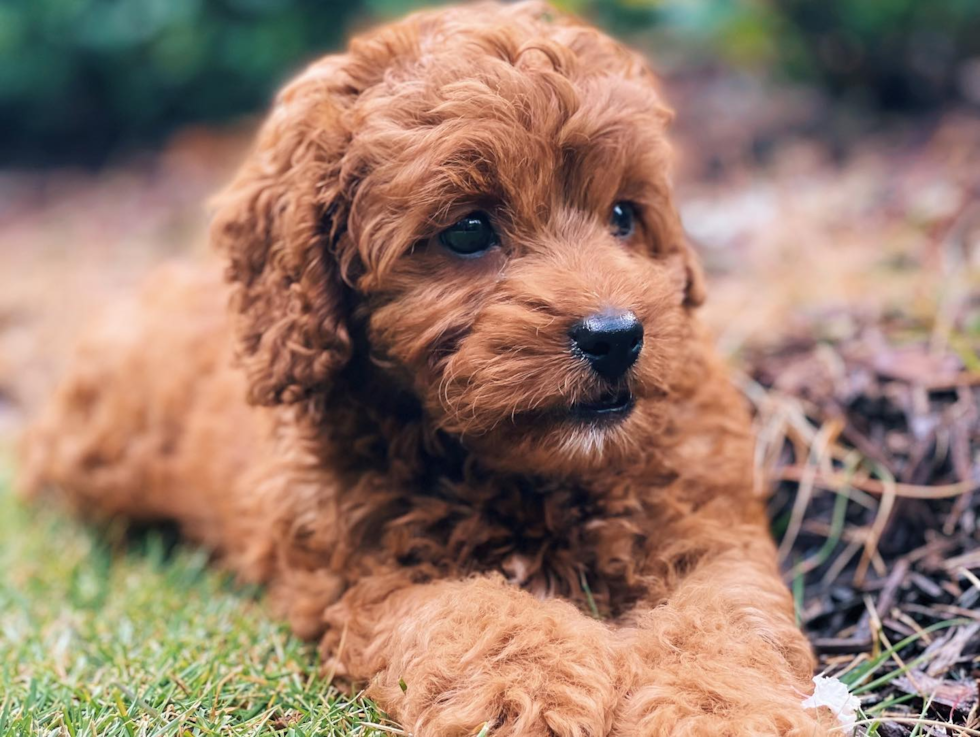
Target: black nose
(611,341)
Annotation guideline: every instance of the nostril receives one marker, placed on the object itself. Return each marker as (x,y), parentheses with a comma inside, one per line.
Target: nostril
(635,343)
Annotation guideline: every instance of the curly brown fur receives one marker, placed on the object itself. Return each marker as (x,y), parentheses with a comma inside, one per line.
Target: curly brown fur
(406,476)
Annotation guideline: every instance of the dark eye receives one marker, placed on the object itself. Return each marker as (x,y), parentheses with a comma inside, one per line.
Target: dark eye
(622,220)
(470,236)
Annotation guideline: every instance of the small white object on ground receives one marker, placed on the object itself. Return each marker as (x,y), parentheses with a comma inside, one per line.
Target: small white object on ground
(833,694)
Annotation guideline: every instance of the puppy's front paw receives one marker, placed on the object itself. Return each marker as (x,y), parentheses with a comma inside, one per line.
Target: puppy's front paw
(515,699)
(498,657)
(652,713)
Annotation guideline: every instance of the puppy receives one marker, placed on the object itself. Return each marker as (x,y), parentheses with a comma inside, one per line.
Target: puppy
(460,416)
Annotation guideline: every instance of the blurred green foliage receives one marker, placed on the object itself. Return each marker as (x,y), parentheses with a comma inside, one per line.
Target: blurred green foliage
(100,72)
(905,54)
(80,78)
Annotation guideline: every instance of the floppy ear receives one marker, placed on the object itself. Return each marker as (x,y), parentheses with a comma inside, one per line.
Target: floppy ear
(277,224)
(695,290)
(684,263)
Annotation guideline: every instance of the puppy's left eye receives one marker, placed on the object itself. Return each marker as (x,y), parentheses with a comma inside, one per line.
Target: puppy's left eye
(622,220)
(471,236)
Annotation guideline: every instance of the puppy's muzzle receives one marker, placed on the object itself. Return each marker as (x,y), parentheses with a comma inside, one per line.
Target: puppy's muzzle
(610,341)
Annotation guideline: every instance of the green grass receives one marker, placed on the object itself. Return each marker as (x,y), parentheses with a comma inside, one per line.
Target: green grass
(102,636)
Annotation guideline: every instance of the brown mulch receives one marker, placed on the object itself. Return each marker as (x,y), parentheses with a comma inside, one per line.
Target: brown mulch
(872,438)
(863,366)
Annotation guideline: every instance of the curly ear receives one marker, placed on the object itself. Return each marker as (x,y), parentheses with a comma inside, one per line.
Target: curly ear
(277,224)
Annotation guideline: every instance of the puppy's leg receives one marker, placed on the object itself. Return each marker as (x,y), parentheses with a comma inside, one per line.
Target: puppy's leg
(446,658)
(149,422)
(723,655)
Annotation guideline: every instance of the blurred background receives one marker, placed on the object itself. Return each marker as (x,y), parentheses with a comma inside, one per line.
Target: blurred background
(828,171)
(84,81)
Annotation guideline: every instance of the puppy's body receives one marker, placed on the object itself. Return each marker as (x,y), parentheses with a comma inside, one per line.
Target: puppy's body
(426,475)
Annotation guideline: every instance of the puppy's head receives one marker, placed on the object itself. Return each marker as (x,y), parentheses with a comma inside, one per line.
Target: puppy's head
(478,200)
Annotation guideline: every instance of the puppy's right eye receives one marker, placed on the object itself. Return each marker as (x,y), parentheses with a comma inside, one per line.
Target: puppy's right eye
(622,220)
(471,236)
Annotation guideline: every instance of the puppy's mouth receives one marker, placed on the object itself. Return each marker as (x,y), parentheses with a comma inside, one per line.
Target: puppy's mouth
(607,408)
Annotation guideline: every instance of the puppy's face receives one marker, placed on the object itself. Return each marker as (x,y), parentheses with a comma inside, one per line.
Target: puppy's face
(497,202)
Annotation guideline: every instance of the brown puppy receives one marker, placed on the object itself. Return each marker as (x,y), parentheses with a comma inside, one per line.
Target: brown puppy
(479,401)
